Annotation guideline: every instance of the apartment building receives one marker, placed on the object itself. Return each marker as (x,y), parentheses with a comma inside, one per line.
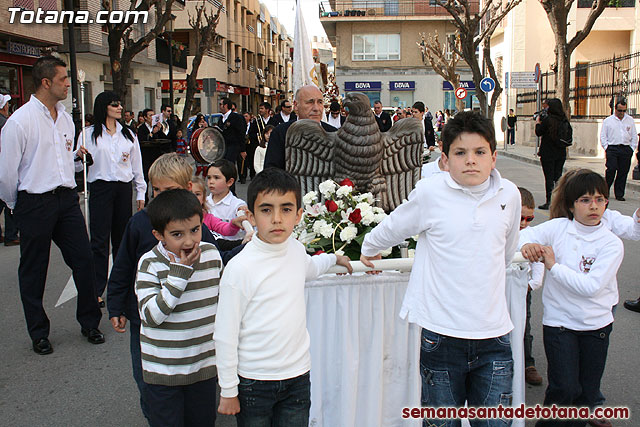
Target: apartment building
(20,46)
(376,51)
(250,60)
(524,39)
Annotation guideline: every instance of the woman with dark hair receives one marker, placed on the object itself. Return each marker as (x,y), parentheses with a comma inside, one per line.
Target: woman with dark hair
(552,152)
(116,163)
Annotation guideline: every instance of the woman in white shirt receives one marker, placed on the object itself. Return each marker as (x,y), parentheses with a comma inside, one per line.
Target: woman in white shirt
(582,256)
(116,163)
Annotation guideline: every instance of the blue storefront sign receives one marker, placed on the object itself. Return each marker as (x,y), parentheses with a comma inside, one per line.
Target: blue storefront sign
(467,84)
(404,85)
(362,86)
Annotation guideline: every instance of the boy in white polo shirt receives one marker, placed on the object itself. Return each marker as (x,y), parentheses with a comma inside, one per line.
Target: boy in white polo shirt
(468,223)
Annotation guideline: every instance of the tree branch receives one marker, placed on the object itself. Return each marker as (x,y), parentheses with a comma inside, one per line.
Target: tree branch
(596,10)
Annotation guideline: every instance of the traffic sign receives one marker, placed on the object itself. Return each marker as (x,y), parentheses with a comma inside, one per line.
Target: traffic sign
(523,80)
(487,84)
(537,72)
(461,93)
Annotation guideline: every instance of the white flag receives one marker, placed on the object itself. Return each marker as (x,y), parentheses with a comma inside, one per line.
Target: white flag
(304,71)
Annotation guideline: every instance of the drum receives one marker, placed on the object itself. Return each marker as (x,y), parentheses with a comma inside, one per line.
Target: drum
(207,145)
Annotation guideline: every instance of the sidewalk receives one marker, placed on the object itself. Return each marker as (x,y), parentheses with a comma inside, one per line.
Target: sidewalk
(526,154)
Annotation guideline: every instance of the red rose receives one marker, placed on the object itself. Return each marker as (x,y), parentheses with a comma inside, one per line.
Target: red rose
(319,251)
(331,205)
(348,182)
(355,216)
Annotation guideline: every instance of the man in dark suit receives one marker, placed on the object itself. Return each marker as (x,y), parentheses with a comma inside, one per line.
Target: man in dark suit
(256,132)
(309,105)
(234,129)
(146,134)
(383,119)
(285,115)
(333,117)
(417,111)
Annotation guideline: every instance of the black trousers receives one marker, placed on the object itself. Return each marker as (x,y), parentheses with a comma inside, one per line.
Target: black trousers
(552,170)
(192,405)
(528,338)
(618,165)
(10,226)
(247,169)
(232,153)
(42,218)
(109,211)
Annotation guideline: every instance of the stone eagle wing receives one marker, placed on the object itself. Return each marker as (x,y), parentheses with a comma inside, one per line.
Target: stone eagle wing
(401,161)
(309,153)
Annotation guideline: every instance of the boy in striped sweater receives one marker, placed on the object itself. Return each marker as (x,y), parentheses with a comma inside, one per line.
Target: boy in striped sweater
(177,291)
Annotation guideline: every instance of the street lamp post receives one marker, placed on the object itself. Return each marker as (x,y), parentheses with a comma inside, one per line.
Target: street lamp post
(169,29)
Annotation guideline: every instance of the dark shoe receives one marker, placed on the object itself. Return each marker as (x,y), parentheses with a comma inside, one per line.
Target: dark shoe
(243,180)
(600,423)
(544,207)
(633,305)
(12,242)
(620,199)
(42,346)
(531,376)
(94,336)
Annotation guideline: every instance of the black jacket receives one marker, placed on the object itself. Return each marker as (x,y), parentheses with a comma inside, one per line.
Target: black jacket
(429,134)
(550,146)
(253,129)
(384,121)
(234,131)
(277,119)
(275,156)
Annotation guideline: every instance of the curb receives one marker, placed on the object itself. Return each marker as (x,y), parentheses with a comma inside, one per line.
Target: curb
(631,185)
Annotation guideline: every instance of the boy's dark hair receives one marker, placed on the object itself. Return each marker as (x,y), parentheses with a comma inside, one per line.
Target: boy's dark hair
(173,205)
(45,68)
(270,180)
(419,106)
(469,122)
(583,182)
(227,168)
(527,198)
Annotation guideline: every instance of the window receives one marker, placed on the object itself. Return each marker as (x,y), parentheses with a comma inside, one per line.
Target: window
(259,31)
(376,47)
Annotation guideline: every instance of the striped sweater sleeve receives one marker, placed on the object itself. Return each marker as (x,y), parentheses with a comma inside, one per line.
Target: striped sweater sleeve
(156,298)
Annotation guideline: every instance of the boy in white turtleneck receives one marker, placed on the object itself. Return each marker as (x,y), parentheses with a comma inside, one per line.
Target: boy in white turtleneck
(468,222)
(262,344)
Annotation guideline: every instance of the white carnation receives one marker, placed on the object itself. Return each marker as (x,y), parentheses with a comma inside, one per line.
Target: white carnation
(386,252)
(348,233)
(327,188)
(379,214)
(344,190)
(365,197)
(310,197)
(321,227)
(368,217)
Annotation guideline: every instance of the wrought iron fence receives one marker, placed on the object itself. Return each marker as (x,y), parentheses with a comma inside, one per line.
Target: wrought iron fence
(592,86)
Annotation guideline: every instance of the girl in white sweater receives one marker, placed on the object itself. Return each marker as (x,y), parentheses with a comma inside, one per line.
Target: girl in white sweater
(261,151)
(582,257)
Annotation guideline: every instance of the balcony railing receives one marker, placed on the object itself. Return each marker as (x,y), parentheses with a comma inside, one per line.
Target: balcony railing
(371,8)
(587,4)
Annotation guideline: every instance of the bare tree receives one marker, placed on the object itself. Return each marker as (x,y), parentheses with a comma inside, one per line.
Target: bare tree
(123,47)
(475,28)
(442,57)
(204,24)
(557,12)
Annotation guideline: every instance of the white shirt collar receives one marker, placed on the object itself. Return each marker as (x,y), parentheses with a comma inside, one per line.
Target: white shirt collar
(226,115)
(226,200)
(59,106)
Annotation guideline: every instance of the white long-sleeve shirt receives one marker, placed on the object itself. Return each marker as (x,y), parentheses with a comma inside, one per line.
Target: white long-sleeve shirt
(457,284)
(619,132)
(581,288)
(115,158)
(261,327)
(36,153)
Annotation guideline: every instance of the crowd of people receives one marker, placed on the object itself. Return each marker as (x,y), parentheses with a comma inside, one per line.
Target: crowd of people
(197,315)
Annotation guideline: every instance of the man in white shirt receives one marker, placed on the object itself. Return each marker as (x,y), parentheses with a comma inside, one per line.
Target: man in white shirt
(286,114)
(382,118)
(619,138)
(333,117)
(37,182)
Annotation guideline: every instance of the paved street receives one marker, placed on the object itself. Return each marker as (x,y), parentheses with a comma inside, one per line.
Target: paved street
(81,384)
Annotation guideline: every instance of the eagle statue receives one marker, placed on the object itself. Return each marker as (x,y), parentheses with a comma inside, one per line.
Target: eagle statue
(386,164)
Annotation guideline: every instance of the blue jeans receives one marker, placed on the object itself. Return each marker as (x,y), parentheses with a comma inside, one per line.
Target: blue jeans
(455,370)
(283,403)
(576,361)
(136,364)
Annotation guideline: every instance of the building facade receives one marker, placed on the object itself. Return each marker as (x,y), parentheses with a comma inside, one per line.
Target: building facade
(377,51)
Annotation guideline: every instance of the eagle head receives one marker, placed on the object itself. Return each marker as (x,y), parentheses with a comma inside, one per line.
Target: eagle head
(357,103)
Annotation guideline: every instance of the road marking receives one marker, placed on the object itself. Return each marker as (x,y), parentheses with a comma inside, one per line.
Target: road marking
(70,292)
